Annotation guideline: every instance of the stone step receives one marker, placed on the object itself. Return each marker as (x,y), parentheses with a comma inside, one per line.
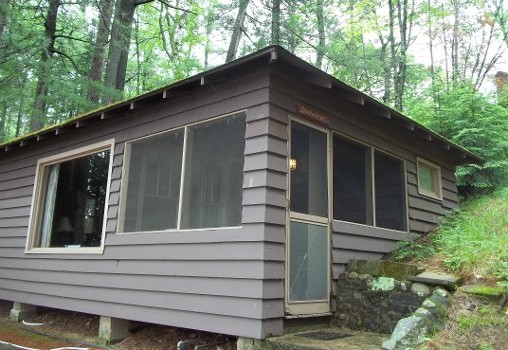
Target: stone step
(488,292)
(327,339)
(447,281)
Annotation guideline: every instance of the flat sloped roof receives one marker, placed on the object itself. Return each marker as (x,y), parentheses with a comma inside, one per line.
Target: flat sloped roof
(267,56)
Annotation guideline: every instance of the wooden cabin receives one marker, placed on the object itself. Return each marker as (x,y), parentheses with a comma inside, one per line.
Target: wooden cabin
(227,202)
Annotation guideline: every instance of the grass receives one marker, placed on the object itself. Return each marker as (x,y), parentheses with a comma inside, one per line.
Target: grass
(473,241)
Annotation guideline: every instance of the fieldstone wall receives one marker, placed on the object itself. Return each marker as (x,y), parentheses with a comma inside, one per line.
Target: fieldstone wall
(374,295)
(367,302)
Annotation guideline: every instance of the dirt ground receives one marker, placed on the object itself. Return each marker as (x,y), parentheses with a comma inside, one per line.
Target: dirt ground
(52,328)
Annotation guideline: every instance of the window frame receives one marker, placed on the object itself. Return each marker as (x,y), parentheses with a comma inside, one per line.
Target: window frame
(40,186)
(372,151)
(125,176)
(436,177)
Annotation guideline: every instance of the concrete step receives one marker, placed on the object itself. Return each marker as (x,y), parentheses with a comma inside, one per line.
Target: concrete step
(327,339)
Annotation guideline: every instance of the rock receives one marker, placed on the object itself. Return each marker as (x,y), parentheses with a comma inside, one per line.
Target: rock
(422,312)
(450,282)
(382,284)
(428,304)
(493,293)
(353,275)
(420,289)
(408,333)
(397,270)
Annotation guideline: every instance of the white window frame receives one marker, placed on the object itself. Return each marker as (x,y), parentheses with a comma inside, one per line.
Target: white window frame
(36,210)
(125,172)
(436,175)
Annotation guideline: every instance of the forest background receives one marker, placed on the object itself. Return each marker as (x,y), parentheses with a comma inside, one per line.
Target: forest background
(438,61)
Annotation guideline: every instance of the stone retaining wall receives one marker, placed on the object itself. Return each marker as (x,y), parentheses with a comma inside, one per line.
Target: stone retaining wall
(366,302)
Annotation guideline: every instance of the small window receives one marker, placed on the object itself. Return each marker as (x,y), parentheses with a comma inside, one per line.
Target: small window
(429,179)
(70,199)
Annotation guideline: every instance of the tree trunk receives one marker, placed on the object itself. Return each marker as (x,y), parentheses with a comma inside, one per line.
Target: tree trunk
(41,91)
(237,30)
(392,64)
(3,122)
(121,31)
(99,50)
(431,48)
(209,27)
(321,33)
(3,16)
(455,44)
(275,22)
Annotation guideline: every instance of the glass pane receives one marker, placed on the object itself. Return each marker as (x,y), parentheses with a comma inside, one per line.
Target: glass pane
(352,182)
(153,184)
(308,272)
(426,178)
(212,195)
(74,200)
(309,187)
(390,192)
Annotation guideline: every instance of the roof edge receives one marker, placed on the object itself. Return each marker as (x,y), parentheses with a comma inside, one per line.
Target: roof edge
(271,54)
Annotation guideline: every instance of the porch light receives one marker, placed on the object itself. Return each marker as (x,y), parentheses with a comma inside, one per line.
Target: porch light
(292,164)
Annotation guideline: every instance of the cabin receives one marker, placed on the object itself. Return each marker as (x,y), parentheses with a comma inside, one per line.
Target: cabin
(228,202)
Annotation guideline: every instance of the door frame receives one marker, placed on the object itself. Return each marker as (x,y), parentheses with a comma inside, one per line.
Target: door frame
(309,307)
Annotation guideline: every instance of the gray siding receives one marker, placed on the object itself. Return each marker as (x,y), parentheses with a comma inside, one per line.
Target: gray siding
(222,280)
(350,119)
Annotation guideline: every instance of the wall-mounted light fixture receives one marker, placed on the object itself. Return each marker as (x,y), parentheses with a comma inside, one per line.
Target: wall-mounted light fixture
(292,164)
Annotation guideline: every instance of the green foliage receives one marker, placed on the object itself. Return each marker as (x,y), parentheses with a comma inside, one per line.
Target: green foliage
(485,317)
(413,250)
(474,239)
(471,120)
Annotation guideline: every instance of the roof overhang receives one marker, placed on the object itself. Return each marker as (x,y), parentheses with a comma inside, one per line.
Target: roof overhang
(268,55)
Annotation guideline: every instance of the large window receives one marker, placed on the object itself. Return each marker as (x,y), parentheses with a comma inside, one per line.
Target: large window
(70,199)
(390,192)
(187,178)
(368,186)
(309,189)
(352,182)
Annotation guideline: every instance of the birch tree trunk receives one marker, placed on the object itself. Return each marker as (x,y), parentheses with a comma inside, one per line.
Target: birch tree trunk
(237,30)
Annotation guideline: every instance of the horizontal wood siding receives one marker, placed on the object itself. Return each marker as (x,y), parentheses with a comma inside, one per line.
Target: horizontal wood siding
(352,120)
(220,280)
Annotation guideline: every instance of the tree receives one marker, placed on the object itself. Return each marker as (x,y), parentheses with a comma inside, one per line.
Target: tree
(471,120)
(121,31)
(3,16)
(43,72)
(320,18)
(275,22)
(236,35)
(99,50)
